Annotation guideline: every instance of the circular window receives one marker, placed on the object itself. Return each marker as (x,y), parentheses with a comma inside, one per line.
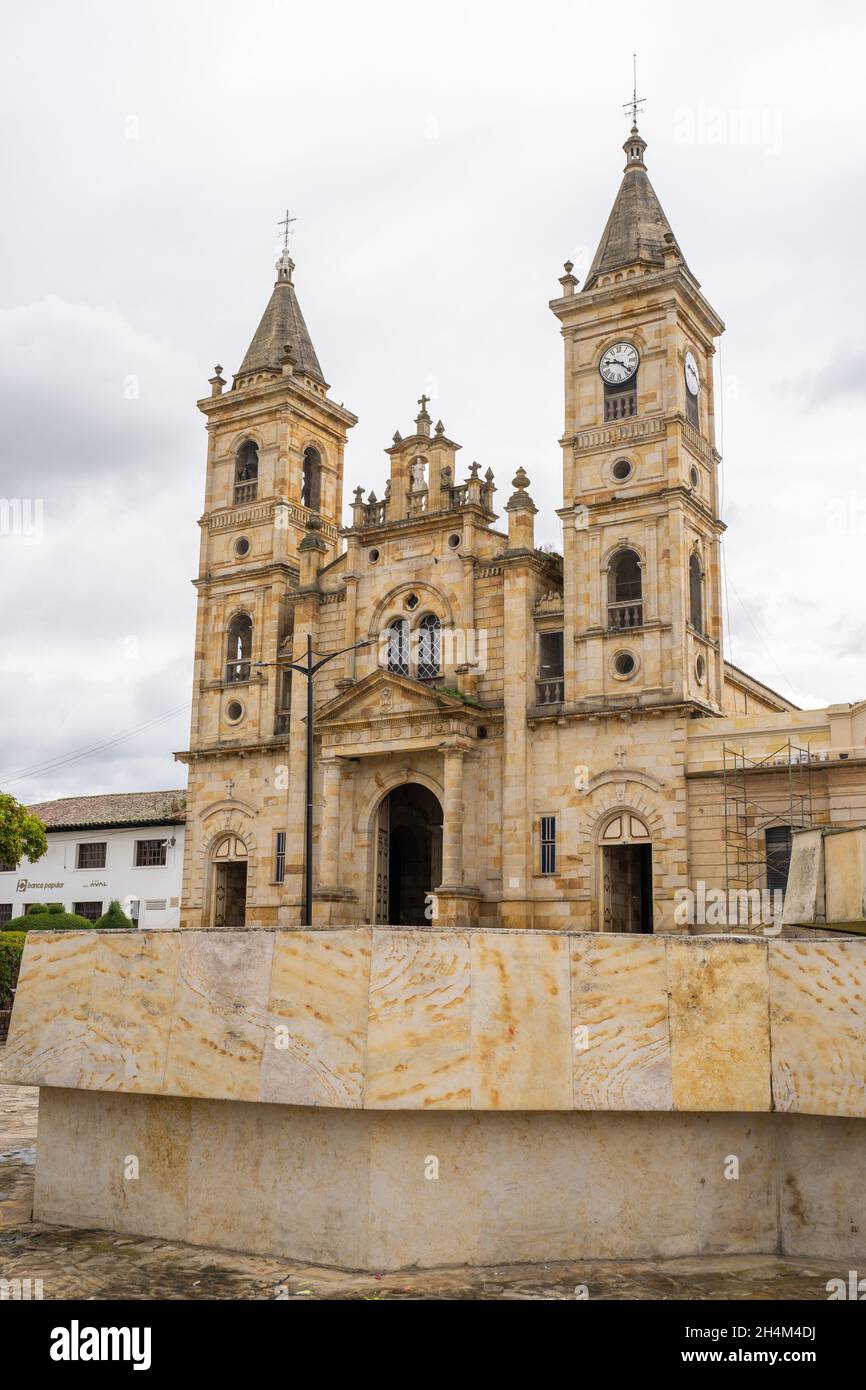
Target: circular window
(454,541)
(621,470)
(412,601)
(242,546)
(700,669)
(694,475)
(234,711)
(373,556)
(624,664)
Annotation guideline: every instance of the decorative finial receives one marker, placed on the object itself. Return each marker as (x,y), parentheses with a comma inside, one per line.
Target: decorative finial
(217,381)
(440,428)
(520,481)
(423,402)
(474,469)
(285,266)
(359,496)
(398,438)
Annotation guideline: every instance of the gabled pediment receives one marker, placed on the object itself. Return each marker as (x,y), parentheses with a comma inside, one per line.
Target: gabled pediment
(384,694)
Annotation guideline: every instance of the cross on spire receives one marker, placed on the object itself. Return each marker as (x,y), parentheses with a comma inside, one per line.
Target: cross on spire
(423,401)
(636,102)
(286,224)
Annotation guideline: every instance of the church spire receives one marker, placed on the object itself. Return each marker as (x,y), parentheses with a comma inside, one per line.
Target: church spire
(282,326)
(637,234)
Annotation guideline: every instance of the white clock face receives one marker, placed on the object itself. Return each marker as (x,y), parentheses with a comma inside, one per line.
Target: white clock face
(619,363)
(690,368)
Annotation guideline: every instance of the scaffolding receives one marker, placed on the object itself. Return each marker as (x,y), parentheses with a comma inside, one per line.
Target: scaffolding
(754,803)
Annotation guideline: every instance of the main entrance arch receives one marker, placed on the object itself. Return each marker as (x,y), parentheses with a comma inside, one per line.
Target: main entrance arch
(408,855)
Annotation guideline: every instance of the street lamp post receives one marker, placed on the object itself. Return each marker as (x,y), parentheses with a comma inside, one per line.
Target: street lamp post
(308,668)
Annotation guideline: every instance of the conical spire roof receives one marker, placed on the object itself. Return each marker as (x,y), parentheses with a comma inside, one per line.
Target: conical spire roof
(282,324)
(637,227)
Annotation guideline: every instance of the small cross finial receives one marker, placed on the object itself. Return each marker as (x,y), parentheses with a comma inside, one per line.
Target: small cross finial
(636,103)
(286,224)
(422,401)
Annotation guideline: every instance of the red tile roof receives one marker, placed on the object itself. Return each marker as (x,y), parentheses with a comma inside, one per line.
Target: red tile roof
(116,808)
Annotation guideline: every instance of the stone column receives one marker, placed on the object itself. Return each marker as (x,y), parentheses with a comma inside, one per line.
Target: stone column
(329,825)
(452,828)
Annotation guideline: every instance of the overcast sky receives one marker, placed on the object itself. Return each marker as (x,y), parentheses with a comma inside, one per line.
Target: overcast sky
(442,161)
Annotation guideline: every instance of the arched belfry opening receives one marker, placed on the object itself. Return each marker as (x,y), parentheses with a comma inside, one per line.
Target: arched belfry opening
(228,884)
(311,479)
(625,848)
(408,855)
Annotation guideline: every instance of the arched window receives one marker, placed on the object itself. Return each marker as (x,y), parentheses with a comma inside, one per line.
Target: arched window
(311,482)
(625,591)
(429,647)
(247,472)
(239,647)
(696,593)
(398,647)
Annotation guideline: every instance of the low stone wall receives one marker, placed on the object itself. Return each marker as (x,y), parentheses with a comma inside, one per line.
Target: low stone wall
(389,1189)
(380,1097)
(417,1019)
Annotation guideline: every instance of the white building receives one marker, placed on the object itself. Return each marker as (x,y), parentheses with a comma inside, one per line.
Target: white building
(127,846)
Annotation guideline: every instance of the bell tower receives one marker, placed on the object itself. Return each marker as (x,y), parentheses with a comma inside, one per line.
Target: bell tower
(274,476)
(643,611)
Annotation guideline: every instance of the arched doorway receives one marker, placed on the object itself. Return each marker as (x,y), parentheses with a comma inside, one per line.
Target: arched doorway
(408,847)
(229,883)
(627,875)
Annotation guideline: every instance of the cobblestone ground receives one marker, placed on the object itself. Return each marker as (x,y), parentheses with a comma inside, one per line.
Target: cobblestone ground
(100,1264)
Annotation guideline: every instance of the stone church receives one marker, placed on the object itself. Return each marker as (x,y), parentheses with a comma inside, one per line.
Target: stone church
(504,736)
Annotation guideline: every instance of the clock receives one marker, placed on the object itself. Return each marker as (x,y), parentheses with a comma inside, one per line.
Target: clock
(619,363)
(690,370)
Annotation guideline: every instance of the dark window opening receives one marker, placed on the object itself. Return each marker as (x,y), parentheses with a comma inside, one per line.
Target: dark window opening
(92,911)
(625,591)
(548,844)
(398,647)
(696,597)
(551,669)
(149,853)
(692,410)
(620,402)
(280,856)
(239,647)
(311,483)
(246,473)
(91,855)
(429,648)
(777,842)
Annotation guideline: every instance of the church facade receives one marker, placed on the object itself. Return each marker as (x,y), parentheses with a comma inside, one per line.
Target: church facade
(504,736)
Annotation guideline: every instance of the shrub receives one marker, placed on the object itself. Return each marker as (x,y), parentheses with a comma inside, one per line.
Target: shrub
(56,920)
(11,946)
(115,919)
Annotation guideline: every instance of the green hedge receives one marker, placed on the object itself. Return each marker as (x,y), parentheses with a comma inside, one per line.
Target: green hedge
(11,946)
(50,917)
